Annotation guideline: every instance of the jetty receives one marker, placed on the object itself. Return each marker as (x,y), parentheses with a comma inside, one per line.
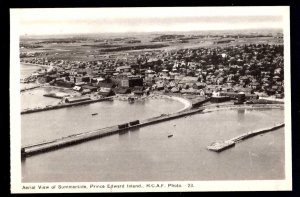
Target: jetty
(64,105)
(30,88)
(223,145)
(43,147)
(58,95)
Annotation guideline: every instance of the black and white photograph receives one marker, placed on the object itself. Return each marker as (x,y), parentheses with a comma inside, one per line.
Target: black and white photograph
(139,99)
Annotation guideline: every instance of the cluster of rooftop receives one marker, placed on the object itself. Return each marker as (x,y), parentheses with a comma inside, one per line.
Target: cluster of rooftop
(250,68)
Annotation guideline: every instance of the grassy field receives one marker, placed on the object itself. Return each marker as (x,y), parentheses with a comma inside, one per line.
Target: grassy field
(93,47)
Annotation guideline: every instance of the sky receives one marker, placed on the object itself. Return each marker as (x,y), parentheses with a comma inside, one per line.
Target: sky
(105,20)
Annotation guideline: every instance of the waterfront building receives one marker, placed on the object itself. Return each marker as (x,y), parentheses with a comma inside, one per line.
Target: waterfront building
(105,89)
(62,83)
(218,99)
(77,99)
(121,90)
(88,87)
(122,69)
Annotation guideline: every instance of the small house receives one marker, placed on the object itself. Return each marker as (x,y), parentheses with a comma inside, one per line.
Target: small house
(91,88)
(77,88)
(105,89)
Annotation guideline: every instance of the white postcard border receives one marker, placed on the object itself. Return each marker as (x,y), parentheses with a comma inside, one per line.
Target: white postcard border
(15,131)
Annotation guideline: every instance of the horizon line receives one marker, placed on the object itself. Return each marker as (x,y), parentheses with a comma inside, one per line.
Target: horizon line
(138,32)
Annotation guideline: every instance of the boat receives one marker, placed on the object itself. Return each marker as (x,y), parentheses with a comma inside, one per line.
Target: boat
(131,100)
(94,114)
(171,135)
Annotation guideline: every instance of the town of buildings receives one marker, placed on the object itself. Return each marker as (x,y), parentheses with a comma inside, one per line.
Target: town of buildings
(257,70)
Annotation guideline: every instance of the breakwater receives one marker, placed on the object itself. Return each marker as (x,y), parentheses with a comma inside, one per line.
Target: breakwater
(220,146)
(226,106)
(55,95)
(82,137)
(64,105)
(30,88)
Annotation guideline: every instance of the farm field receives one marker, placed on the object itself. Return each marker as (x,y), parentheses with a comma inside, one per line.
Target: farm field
(92,47)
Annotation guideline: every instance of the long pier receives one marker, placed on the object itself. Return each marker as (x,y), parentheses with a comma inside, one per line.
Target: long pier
(82,137)
(30,88)
(64,105)
(220,146)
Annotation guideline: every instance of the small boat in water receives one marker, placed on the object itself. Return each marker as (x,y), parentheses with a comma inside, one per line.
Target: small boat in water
(94,114)
(171,135)
(131,100)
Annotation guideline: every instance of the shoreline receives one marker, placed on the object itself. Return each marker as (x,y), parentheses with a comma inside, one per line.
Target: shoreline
(187,103)
(272,99)
(38,65)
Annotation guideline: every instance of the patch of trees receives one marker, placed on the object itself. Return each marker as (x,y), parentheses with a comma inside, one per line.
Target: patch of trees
(166,37)
(133,41)
(100,45)
(29,46)
(125,48)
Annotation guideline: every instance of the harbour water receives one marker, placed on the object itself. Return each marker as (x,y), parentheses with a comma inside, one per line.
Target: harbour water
(34,98)
(73,120)
(27,69)
(147,154)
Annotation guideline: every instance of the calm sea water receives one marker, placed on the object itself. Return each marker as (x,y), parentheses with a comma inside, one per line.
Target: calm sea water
(27,69)
(147,154)
(37,127)
(34,98)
